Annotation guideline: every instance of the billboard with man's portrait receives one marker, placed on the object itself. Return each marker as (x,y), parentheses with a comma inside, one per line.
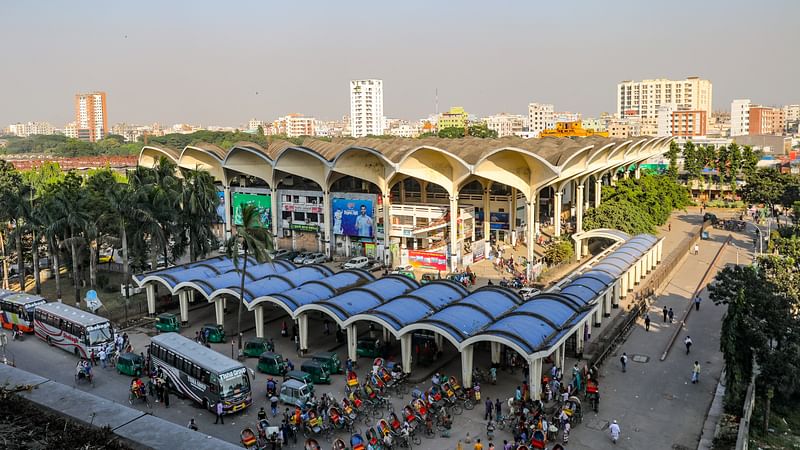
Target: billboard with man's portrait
(353,217)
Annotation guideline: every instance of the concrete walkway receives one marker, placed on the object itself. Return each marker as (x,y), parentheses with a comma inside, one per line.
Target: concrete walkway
(654,402)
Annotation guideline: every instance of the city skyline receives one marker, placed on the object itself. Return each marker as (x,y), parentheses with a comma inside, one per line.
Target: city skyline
(168,64)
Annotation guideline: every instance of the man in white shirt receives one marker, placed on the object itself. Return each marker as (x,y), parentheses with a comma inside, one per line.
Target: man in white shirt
(614,428)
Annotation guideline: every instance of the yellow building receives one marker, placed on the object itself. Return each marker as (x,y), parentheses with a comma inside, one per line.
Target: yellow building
(571,129)
(455,118)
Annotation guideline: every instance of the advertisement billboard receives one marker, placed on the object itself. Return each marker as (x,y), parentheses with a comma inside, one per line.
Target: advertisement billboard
(262,202)
(353,217)
(498,221)
(221,206)
(478,250)
(427,260)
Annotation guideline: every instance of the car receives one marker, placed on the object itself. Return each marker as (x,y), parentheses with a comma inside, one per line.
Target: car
(288,256)
(528,292)
(301,257)
(315,258)
(278,253)
(359,262)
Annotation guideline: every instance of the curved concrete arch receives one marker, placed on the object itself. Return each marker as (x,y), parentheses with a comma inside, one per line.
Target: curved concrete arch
(250,162)
(270,299)
(575,163)
(521,169)
(150,154)
(608,233)
(633,147)
(194,157)
(303,162)
(619,150)
(434,165)
(488,337)
(364,163)
(599,157)
(152,278)
(371,318)
(428,326)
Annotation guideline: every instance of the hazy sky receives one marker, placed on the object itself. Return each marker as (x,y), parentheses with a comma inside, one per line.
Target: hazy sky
(223,62)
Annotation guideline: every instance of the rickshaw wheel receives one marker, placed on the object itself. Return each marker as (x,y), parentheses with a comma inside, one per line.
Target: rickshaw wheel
(457,409)
(468,404)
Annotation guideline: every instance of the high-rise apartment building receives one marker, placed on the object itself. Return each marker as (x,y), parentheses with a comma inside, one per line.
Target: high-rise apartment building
(642,99)
(767,120)
(688,123)
(91,116)
(366,107)
(540,117)
(740,117)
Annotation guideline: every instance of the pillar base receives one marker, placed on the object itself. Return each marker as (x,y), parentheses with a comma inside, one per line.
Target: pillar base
(615,306)
(184,323)
(607,315)
(597,325)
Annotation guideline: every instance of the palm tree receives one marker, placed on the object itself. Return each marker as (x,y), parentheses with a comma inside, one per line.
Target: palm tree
(198,212)
(254,239)
(19,208)
(69,211)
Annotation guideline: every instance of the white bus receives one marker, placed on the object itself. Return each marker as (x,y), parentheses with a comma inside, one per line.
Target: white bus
(72,329)
(200,373)
(16,310)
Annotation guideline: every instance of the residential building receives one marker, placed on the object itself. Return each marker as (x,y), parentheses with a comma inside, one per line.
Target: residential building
(566,116)
(720,124)
(295,125)
(456,117)
(664,120)
(619,130)
(767,120)
(740,117)
(366,108)
(31,128)
(595,124)
(641,99)
(404,130)
(91,116)
(253,125)
(768,144)
(540,117)
(506,124)
(71,130)
(792,113)
(688,123)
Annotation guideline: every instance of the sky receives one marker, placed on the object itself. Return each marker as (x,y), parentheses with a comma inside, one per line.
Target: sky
(222,63)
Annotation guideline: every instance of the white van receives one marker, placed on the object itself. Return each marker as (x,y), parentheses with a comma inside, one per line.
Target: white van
(359,262)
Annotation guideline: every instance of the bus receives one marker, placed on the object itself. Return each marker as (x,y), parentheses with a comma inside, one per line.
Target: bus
(200,373)
(72,329)
(16,310)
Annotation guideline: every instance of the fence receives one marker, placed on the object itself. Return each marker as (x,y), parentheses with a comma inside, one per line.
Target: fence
(743,437)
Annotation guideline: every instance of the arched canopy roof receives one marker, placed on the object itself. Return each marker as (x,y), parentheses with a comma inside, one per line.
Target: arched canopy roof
(150,154)
(232,278)
(260,290)
(317,290)
(172,276)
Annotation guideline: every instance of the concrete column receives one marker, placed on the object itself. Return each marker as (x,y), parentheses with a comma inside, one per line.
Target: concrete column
(225,305)
(579,208)
(352,342)
(495,352)
(535,378)
(183,301)
(302,325)
(607,303)
(385,335)
(190,294)
(637,272)
(387,229)
(563,354)
(556,357)
(219,312)
(326,225)
(578,249)
(598,315)
(579,339)
(536,213)
(405,352)
(659,246)
(598,188)
(258,313)
(423,191)
(626,173)
(437,338)
(557,212)
(228,206)
(150,290)
(487,229)
(616,295)
(637,173)
(531,238)
(512,215)
(466,366)
(453,232)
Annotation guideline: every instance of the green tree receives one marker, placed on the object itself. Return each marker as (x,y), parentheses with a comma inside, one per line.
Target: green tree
(198,213)
(765,186)
(451,133)
(692,161)
(260,130)
(559,251)
(254,240)
(672,155)
(481,130)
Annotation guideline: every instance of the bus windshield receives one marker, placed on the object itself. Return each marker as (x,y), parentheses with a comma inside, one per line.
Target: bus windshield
(234,382)
(99,334)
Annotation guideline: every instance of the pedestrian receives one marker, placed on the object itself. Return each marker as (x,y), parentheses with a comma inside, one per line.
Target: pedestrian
(697,300)
(220,410)
(102,357)
(671,315)
(614,428)
(696,249)
(192,425)
(688,343)
(478,445)
(696,373)
(197,337)
(669,226)
(665,313)
(498,409)
(273,404)
(518,394)
(646,321)
(93,358)
(487,415)
(297,344)
(165,393)
(159,388)
(624,360)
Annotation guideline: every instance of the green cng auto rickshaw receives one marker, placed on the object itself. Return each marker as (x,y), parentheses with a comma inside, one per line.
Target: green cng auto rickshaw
(330,360)
(299,375)
(130,364)
(254,347)
(271,363)
(168,322)
(319,373)
(213,332)
(368,348)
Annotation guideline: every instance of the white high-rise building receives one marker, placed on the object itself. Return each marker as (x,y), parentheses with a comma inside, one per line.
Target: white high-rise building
(664,119)
(540,117)
(740,117)
(642,99)
(366,108)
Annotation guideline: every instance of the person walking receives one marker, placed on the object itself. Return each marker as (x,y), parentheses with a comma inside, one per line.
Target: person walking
(696,373)
(624,361)
(102,356)
(665,313)
(478,445)
(646,321)
(696,249)
(165,393)
(273,404)
(192,425)
(220,411)
(487,415)
(614,428)
(697,300)
(671,315)
(688,343)
(498,409)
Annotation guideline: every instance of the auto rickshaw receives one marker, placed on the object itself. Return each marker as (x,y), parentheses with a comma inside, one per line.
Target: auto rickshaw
(330,360)
(317,370)
(271,363)
(593,394)
(428,277)
(167,322)
(368,348)
(130,364)
(301,376)
(254,347)
(214,332)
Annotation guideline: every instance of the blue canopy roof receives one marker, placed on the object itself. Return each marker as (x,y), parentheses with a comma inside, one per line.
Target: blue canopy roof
(322,289)
(233,277)
(201,270)
(366,297)
(406,309)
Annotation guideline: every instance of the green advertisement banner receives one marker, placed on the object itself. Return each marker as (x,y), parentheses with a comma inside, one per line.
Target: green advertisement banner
(262,202)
